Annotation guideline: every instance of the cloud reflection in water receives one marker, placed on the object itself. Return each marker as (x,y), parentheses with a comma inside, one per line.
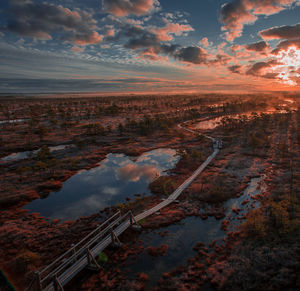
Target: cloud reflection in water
(116,178)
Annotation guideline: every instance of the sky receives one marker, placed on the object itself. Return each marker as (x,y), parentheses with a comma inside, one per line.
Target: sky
(170,46)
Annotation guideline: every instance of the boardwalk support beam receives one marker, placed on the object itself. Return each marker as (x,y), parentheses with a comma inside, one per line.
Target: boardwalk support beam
(35,283)
(57,285)
(92,263)
(115,240)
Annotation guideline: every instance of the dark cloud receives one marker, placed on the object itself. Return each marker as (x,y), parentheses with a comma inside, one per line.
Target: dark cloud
(41,20)
(220,59)
(123,8)
(140,38)
(288,34)
(235,69)
(288,43)
(192,54)
(149,44)
(260,46)
(72,85)
(282,32)
(260,69)
(236,14)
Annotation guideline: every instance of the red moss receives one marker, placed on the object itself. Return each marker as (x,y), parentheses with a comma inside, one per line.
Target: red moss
(218,274)
(143,277)
(159,251)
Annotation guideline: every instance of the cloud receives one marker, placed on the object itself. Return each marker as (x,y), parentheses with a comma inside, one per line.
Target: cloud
(153,55)
(165,33)
(237,69)
(260,46)
(192,54)
(41,20)
(204,41)
(77,49)
(234,15)
(262,69)
(151,43)
(281,32)
(150,46)
(121,8)
(288,34)
(110,33)
(140,38)
(285,44)
(283,62)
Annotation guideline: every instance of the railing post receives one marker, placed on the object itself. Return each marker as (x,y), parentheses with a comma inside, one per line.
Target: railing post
(114,239)
(133,223)
(74,251)
(38,281)
(132,220)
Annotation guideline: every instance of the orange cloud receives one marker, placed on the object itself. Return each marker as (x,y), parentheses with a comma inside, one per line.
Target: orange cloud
(236,14)
(93,38)
(165,33)
(121,8)
(77,49)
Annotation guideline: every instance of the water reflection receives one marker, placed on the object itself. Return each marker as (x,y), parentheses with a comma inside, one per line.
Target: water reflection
(255,187)
(116,178)
(26,154)
(209,124)
(11,121)
(212,123)
(134,172)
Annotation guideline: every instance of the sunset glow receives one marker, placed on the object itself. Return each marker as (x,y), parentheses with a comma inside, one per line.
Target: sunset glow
(290,68)
(149,46)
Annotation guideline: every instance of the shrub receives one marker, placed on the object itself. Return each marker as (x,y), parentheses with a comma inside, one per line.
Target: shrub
(102,258)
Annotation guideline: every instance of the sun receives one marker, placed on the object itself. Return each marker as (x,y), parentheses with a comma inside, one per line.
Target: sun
(289,65)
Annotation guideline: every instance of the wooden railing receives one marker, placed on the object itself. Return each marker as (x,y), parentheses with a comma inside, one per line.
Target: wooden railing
(82,254)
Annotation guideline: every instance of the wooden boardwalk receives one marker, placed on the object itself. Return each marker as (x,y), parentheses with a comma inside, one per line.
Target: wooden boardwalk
(84,253)
(179,190)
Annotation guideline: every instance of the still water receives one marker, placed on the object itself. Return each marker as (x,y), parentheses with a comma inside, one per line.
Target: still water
(117,177)
(212,123)
(24,155)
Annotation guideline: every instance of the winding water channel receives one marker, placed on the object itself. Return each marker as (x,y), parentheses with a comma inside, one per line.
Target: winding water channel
(183,236)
